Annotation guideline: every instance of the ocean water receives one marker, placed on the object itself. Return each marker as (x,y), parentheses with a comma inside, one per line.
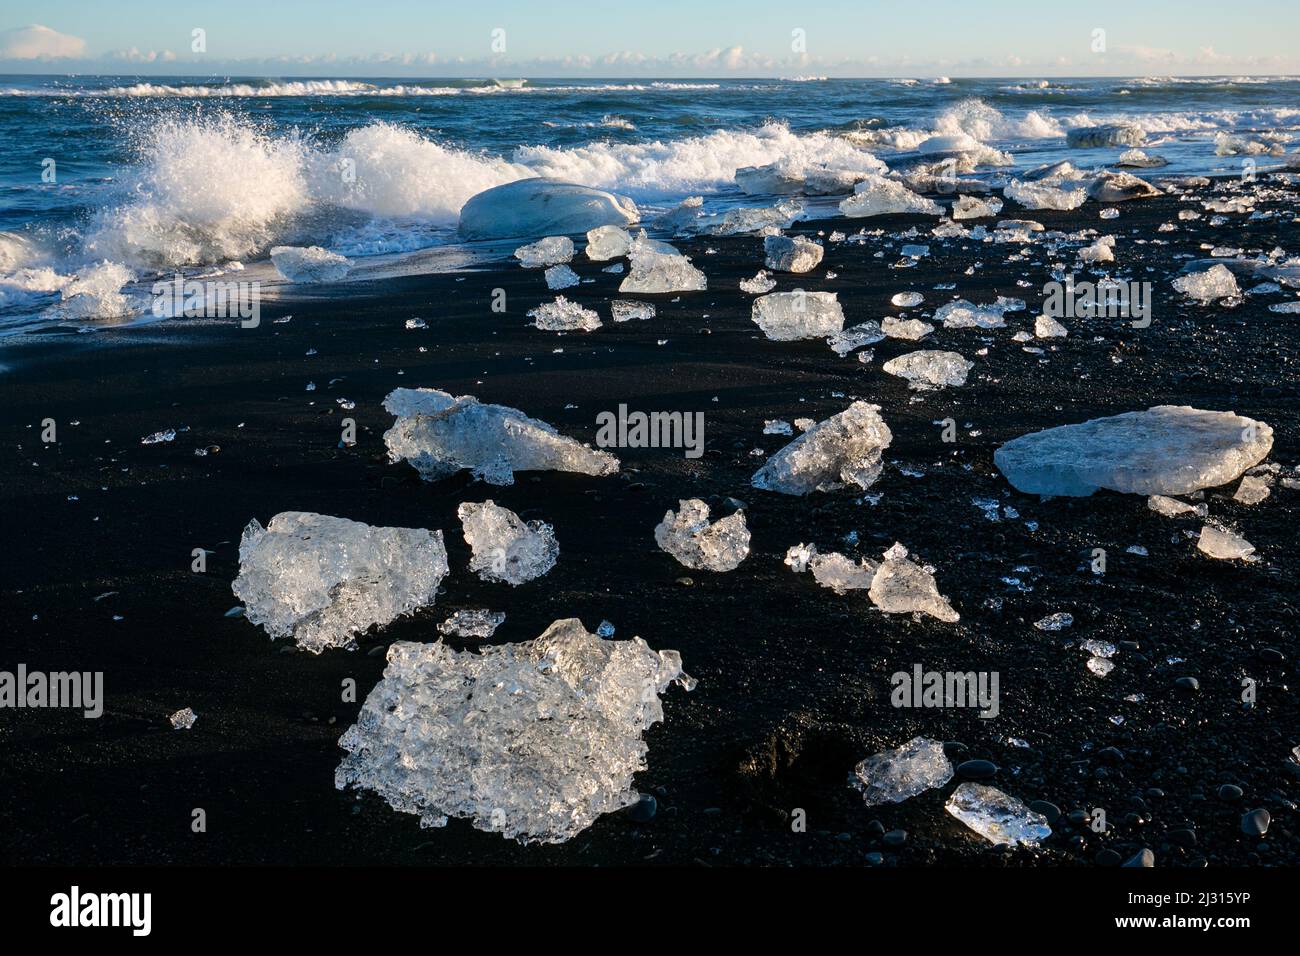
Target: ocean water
(112,182)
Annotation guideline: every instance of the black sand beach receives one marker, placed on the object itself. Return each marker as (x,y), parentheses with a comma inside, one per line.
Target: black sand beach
(793,680)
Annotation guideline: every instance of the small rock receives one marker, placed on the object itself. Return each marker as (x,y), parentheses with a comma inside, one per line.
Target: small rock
(1255,823)
(977,770)
(1142,858)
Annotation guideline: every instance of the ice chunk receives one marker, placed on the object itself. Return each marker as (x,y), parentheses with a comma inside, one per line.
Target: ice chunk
(323,580)
(439,434)
(760,283)
(1055,622)
(607,242)
(1165,450)
(751,219)
(504,547)
(895,775)
(960,314)
(560,277)
(564,316)
(929,368)
(1100,251)
(1120,187)
(550,251)
(996,816)
(910,329)
(844,449)
(1172,507)
(840,573)
(1042,196)
(1217,282)
(689,537)
(1252,490)
(1046,327)
(472,624)
(625,310)
(1137,159)
(855,337)
(1094,137)
(906,300)
(684,218)
(1224,544)
(183,719)
(791,254)
(878,196)
(654,271)
(786,316)
(534,740)
(903,587)
(310,264)
(542,207)
(772,179)
(971,207)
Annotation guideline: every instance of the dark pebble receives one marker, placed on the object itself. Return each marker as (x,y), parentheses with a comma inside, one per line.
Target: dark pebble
(1187,683)
(1108,857)
(1271,655)
(1049,810)
(1183,836)
(1111,755)
(643,811)
(685,582)
(895,838)
(1256,822)
(1142,858)
(875,859)
(976,769)
(955,750)
(875,828)
(1230,792)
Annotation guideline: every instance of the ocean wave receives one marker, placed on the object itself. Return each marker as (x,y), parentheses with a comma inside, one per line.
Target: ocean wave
(346,88)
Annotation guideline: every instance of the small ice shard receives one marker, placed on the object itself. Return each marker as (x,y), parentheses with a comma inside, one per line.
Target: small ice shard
(1223,544)
(439,434)
(895,775)
(1100,666)
(929,368)
(903,587)
(476,625)
(1217,282)
(841,573)
(682,219)
(1165,450)
(1093,137)
(906,300)
(1046,327)
(971,207)
(183,719)
(1252,490)
(759,284)
(1103,250)
(1172,507)
(654,272)
(786,316)
(1098,648)
(960,314)
(855,337)
(560,277)
(996,816)
(1121,187)
(504,547)
(553,250)
(878,196)
(798,556)
(750,219)
(791,253)
(534,740)
(1041,196)
(542,207)
(564,316)
(310,264)
(1138,159)
(776,426)
(910,329)
(844,449)
(689,537)
(1055,622)
(323,580)
(157,438)
(625,310)
(607,242)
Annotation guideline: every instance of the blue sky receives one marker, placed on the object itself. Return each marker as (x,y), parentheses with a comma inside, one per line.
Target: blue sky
(656,38)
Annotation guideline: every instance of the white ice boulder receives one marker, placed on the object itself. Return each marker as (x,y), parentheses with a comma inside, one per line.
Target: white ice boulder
(439,434)
(787,316)
(323,580)
(1165,450)
(607,242)
(844,449)
(542,207)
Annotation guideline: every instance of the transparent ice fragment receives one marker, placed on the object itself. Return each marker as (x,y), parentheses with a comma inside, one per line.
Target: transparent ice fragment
(564,316)
(1252,490)
(930,368)
(1055,622)
(607,242)
(1216,282)
(1046,327)
(971,207)
(1042,196)
(561,277)
(787,316)
(904,587)
(844,449)
(911,330)
(504,547)
(855,337)
(626,310)
(961,314)
(877,196)
(654,271)
(759,284)
(688,536)
(550,251)
(791,253)
(1224,544)
(478,624)
(895,775)
(183,719)
(996,816)
(310,264)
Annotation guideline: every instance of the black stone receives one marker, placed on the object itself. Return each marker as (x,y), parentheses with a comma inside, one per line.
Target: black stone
(1049,810)
(977,769)
(1255,823)
(1141,859)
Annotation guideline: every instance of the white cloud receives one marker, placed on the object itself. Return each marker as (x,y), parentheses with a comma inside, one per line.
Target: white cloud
(39,43)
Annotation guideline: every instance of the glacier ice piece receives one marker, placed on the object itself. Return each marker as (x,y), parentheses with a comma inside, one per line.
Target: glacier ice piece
(503,547)
(310,264)
(542,207)
(1044,196)
(893,776)
(972,207)
(1224,544)
(1121,187)
(760,283)
(996,816)
(1252,490)
(906,300)
(878,196)
(844,449)
(608,242)
(561,277)
(1046,327)
(625,310)
(323,580)
(910,329)
(961,314)
(534,740)
(551,251)
(855,337)
(474,624)
(183,719)
(791,253)
(787,316)
(1094,137)
(1172,507)
(564,316)
(1139,159)
(841,573)
(439,434)
(653,271)
(1057,621)
(689,537)
(901,586)
(1216,282)
(1165,450)
(929,368)
(751,219)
